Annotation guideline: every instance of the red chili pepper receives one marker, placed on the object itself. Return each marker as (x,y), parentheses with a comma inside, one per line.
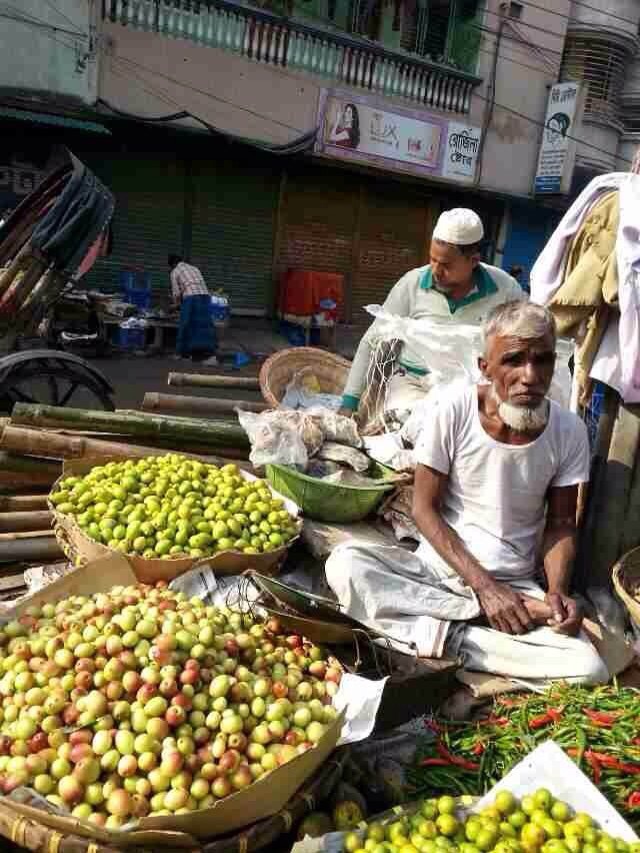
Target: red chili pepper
(435,762)
(553,715)
(608,761)
(603,719)
(443,752)
(492,720)
(636,741)
(595,766)
(614,763)
(634,800)
(478,749)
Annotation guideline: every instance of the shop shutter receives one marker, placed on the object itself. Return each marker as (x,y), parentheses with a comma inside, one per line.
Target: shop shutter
(393,237)
(234,214)
(319,222)
(148,219)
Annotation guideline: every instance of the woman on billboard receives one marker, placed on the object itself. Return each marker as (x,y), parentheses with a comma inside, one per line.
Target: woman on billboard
(346,132)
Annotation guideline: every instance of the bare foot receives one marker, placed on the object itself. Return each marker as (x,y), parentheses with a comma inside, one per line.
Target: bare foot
(539,611)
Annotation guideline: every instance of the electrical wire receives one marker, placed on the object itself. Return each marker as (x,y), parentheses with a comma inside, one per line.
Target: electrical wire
(21,17)
(537,27)
(198,91)
(61,14)
(300,144)
(568,18)
(584,5)
(490,103)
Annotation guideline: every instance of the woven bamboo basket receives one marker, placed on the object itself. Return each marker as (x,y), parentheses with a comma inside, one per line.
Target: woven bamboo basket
(626,581)
(276,373)
(19,825)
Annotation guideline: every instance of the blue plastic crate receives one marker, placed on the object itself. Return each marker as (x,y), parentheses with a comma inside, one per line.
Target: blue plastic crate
(131,339)
(136,288)
(127,280)
(140,298)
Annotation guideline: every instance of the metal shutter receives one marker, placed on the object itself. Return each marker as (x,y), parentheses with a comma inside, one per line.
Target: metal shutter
(148,220)
(393,239)
(234,214)
(319,222)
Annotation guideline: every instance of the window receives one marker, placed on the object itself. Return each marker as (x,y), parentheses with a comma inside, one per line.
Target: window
(444,31)
(601,66)
(515,11)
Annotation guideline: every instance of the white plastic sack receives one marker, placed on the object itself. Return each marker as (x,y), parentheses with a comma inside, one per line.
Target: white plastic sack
(447,350)
(281,437)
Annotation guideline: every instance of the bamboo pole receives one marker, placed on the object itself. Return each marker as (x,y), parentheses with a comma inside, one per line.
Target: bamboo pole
(22,503)
(176,404)
(61,445)
(23,471)
(19,535)
(12,522)
(207,380)
(208,433)
(30,548)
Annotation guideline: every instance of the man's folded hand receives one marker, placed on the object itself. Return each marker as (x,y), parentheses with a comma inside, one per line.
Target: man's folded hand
(567,614)
(504,608)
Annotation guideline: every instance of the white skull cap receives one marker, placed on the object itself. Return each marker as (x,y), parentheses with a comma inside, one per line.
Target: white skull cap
(459,226)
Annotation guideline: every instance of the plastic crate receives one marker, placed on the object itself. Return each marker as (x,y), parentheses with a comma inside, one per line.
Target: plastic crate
(136,288)
(131,339)
(140,298)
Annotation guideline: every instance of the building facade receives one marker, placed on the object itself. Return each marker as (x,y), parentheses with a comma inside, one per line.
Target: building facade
(319,134)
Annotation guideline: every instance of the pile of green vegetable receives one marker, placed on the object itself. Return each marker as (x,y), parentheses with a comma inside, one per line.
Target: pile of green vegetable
(598,727)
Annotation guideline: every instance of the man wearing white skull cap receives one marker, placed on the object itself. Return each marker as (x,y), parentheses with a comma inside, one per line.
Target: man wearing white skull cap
(455,287)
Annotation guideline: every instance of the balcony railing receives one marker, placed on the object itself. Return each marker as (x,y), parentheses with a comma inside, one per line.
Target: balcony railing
(287,43)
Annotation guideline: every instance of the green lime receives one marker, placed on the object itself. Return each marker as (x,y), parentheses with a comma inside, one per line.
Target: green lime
(538,816)
(485,840)
(532,835)
(560,811)
(517,819)
(351,842)
(552,828)
(472,828)
(446,805)
(505,802)
(427,829)
(507,830)
(447,823)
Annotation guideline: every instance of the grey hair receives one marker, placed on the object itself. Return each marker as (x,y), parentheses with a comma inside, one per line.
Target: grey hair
(524,319)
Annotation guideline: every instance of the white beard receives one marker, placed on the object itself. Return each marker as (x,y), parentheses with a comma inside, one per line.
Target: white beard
(521,418)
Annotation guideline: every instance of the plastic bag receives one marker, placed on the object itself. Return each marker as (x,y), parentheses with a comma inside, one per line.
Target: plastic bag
(447,350)
(281,437)
(304,392)
(336,427)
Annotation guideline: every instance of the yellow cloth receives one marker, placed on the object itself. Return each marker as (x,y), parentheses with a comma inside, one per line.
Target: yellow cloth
(583,304)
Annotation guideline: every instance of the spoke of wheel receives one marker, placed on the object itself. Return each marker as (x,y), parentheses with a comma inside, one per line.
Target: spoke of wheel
(53,389)
(69,394)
